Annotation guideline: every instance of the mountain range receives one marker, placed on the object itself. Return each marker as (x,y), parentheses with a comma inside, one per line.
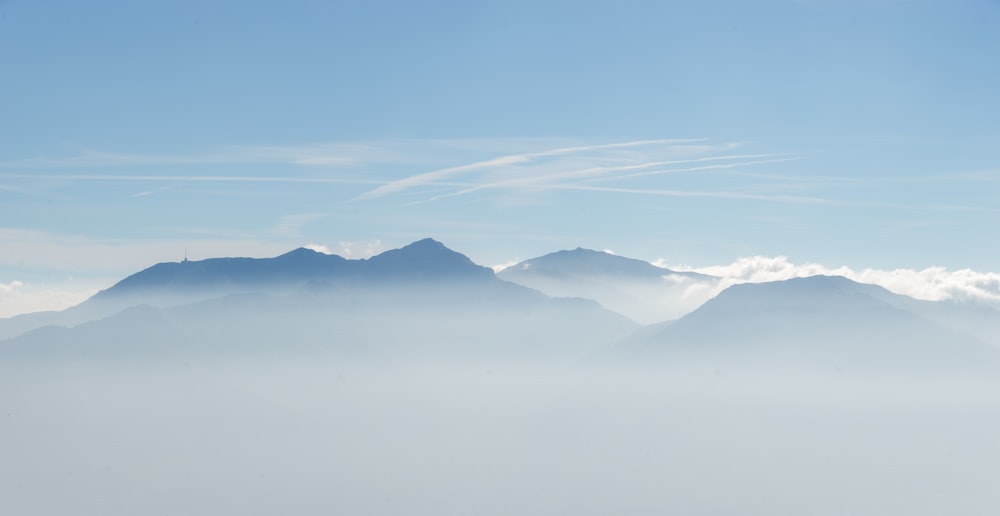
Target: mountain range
(420,300)
(426,300)
(638,289)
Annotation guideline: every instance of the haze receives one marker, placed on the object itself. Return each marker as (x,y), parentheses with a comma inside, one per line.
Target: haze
(695,258)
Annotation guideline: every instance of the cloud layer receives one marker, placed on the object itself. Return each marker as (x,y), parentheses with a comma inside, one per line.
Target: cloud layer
(931,283)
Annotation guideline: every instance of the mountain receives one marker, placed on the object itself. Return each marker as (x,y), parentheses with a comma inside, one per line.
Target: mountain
(975,318)
(639,290)
(426,259)
(422,299)
(177,283)
(825,320)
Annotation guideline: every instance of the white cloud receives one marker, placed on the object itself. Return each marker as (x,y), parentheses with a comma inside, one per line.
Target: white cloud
(502,266)
(319,248)
(10,287)
(350,250)
(932,283)
(18,297)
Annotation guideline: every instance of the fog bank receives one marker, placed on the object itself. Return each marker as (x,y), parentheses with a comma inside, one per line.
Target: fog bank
(471,437)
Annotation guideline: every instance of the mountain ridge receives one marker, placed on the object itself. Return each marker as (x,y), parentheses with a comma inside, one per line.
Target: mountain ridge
(823,319)
(421,298)
(635,288)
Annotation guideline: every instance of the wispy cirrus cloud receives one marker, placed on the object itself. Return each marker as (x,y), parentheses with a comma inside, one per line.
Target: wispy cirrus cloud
(746,161)
(707,194)
(574,179)
(202,179)
(565,166)
(513,168)
(328,154)
(512,160)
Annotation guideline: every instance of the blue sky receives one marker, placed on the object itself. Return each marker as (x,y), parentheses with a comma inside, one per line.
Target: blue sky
(847,133)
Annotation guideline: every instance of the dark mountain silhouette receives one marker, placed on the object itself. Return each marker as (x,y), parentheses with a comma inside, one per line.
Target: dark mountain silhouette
(177,283)
(424,260)
(826,320)
(637,289)
(422,298)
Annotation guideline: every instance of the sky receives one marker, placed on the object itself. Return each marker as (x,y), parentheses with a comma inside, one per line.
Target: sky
(851,134)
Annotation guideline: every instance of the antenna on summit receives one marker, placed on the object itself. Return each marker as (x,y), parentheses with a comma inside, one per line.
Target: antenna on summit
(185,255)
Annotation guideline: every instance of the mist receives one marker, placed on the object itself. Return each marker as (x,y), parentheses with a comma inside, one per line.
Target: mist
(322,436)
(417,382)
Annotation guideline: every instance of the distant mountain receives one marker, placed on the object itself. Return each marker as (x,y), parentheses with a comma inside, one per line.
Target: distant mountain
(830,321)
(177,283)
(972,317)
(426,259)
(637,289)
(421,300)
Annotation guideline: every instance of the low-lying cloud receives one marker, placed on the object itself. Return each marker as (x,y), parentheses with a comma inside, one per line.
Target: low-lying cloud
(350,250)
(17,297)
(931,283)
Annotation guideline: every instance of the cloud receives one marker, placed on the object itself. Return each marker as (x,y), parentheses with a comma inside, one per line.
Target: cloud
(931,283)
(540,179)
(501,266)
(703,194)
(350,250)
(325,154)
(717,166)
(558,165)
(507,161)
(18,297)
(10,287)
(201,179)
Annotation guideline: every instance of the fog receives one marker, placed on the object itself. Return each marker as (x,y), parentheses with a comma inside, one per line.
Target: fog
(417,382)
(327,435)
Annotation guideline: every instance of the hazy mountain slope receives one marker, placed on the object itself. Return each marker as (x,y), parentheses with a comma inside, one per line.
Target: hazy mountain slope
(971,317)
(822,319)
(637,289)
(174,283)
(177,283)
(423,299)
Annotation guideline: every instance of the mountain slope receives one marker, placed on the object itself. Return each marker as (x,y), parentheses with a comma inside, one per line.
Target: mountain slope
(421,300)
(177,283)
(821,319)
(634,288)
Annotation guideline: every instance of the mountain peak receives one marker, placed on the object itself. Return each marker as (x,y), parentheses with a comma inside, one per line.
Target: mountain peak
(301,252)
(426,243)
(589,262)
(426,258)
